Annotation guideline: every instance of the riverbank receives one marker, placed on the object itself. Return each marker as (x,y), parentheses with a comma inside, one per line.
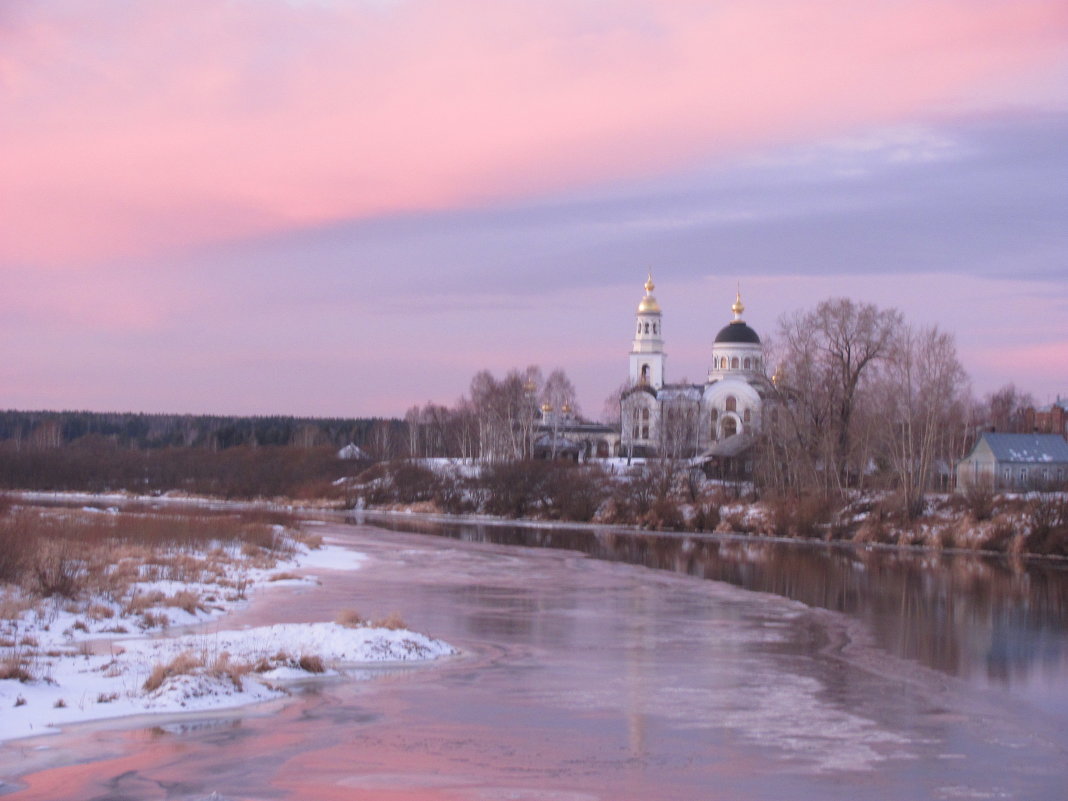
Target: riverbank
(140,628)
(668,497)
(949,526)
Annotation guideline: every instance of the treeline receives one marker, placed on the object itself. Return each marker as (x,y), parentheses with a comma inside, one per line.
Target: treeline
(94,465)
(41,430)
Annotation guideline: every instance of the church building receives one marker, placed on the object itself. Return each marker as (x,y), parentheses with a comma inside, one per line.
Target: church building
(715,420)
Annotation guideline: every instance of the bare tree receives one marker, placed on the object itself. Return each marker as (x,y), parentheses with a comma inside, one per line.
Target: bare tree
(413,419)
(382,441)
(827,354)
(505,412)
(559,393)
(923,399)
(612,409)
(679,428)
(1004,409)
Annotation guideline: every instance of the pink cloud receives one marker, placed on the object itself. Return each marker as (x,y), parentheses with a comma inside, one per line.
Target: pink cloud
(156,125)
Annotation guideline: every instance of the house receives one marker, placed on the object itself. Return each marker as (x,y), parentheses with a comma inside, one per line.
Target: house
(1015,462)
(352,451)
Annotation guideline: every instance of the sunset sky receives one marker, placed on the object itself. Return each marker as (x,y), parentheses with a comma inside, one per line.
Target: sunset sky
(344,207)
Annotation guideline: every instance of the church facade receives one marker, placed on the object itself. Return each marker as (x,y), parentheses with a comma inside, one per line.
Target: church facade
(715,420)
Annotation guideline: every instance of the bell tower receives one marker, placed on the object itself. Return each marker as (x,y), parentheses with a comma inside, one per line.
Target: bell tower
(647,351)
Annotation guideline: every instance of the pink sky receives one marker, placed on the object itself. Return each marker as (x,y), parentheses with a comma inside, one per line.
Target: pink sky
(139,141)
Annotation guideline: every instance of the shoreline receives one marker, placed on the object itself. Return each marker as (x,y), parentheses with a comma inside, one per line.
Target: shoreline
(80,670)
(313,508)
(618,528)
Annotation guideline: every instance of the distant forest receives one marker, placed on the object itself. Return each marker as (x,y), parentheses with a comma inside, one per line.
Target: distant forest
(42,430)
(232,457)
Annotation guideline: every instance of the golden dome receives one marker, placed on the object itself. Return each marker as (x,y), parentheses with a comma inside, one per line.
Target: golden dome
(737,306)
(546,407)
(649,304)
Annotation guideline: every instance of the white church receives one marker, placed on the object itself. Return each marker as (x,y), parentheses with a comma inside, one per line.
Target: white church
(715,420)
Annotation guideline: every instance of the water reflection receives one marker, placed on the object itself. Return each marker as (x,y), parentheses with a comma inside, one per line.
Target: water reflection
(967,615)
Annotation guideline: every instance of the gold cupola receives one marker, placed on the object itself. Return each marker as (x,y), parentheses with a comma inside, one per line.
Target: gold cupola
(648,304)
(737,307)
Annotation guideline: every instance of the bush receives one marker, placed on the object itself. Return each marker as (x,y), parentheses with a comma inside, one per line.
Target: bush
(1047,517)
(577,491)
(979,500)
(398,482)
(706,517)
(56,569)
(665,515)
(518,489)
(801,517)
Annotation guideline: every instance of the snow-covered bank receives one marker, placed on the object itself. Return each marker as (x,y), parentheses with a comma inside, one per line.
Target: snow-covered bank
(64,661)
(207,671)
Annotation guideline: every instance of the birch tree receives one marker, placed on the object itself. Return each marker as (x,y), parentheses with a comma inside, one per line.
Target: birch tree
(924,400)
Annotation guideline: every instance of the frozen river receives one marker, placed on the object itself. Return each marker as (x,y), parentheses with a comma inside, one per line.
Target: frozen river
(631,666)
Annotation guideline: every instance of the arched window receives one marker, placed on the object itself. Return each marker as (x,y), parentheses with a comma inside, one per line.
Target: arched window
(647,328)
(645,414)
(715,415)
(654,328)
(734,363)
(639,326)
(748,416)
(732,404)
(645,374)
(730,427)
(748,363)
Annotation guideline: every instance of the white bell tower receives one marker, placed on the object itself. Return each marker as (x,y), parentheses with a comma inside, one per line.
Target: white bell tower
(647,352)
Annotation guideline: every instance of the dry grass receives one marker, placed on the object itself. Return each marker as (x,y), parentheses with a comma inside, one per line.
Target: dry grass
(285,576)
(350,619)
(393,621)
(223,666)
(99,612)
(187,601)
(154,620)
(311,541)
(312,663)
(72,553)
(14,667)
(141,602)
(186,663)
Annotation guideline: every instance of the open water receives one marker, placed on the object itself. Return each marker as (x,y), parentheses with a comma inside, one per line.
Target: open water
(602,664)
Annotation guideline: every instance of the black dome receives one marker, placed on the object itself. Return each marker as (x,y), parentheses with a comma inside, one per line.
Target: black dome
(737,332)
